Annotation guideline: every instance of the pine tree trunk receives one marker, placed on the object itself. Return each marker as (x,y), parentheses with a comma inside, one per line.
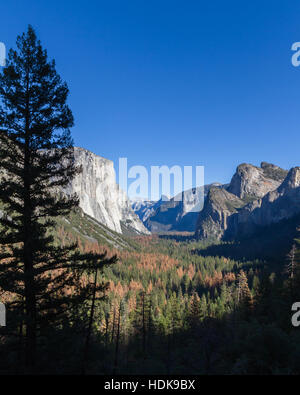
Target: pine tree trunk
(30,305)
(113,327)
(149,328)
(20,346)
(30,297)
(117,343)
(106,330)
(88,336)
(144,324)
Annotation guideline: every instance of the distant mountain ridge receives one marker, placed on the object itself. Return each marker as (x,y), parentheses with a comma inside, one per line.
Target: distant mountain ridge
(179,213)
(145,208)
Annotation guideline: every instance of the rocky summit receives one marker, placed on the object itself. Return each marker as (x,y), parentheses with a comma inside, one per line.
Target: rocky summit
(252,182)
(241,206)
(280,204)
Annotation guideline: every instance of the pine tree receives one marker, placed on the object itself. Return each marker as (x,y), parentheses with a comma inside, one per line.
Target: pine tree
(36,159)
(244,295)
(256,284)
(194,313)
(91,319)
(297,266)
(203,307)
(116,357)
(142,321)
(293,270)
(290,268)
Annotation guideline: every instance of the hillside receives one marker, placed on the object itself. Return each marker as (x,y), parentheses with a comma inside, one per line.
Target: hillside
(83,228)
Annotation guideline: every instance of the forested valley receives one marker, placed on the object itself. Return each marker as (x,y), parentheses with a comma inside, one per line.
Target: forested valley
(169,310)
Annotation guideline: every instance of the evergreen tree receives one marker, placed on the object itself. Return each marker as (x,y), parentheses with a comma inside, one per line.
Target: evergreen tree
(195,312)
(293,270)
(244,295)
(203,307)
(36,159)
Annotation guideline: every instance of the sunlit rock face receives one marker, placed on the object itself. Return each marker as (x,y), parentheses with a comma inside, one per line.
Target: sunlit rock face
(100,195)
(255,197)
(280,204)
(218,207)
(252,181)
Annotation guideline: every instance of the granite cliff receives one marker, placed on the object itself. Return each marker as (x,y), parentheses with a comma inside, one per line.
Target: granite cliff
(226,208)
(280,204)
(100,196)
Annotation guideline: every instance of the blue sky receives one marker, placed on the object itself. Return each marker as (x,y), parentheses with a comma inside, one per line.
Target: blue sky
(174,82)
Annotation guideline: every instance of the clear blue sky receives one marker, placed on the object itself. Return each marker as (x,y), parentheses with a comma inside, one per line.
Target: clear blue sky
(175,82)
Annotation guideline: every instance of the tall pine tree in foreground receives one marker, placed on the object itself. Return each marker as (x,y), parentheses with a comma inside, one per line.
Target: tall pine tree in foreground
(37,276)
